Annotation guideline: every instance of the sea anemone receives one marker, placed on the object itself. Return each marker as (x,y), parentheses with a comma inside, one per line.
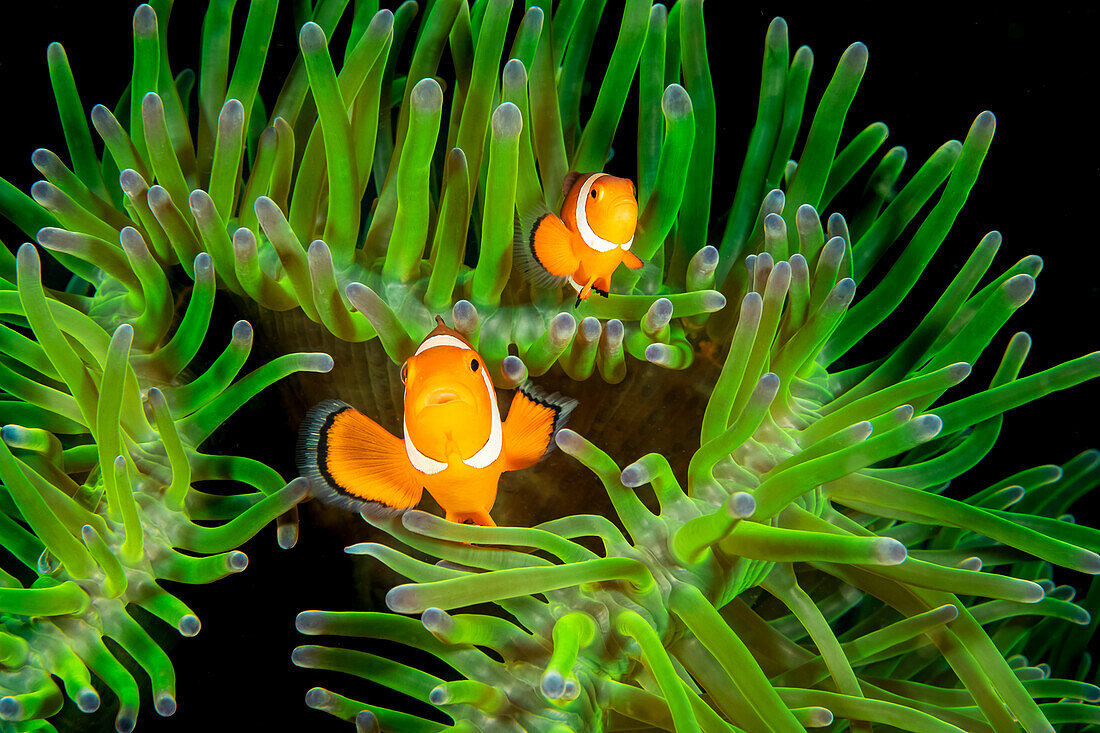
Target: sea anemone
(796,562)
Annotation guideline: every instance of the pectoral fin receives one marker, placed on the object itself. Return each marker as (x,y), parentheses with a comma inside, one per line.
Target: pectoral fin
(481,518)
(353,462)
(631,260)
(533,419)
(543,249)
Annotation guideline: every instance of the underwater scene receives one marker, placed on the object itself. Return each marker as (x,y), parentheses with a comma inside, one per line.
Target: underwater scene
(591,365)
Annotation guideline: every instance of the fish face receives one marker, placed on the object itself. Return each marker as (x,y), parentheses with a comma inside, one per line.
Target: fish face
(611,209)
(447,402)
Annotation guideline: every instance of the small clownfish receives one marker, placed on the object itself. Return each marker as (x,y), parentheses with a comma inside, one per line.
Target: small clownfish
(455,444)
(585,245)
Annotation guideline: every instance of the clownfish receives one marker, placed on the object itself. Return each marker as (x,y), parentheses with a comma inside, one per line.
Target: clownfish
(455,444)
(587,242)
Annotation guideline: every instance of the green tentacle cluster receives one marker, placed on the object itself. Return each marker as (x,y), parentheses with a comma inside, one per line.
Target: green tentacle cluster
(99,455)
(355,197)
(809,568)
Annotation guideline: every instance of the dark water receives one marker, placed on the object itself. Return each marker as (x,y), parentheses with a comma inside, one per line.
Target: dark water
(929,76)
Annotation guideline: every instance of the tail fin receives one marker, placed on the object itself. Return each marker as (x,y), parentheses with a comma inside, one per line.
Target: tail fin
(534,418)
(354,463)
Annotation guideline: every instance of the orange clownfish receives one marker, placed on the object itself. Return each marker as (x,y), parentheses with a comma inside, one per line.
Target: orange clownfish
(585,245)
(455,444)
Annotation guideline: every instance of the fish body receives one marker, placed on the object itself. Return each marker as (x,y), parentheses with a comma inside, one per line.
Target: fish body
(455,445)
(585,244)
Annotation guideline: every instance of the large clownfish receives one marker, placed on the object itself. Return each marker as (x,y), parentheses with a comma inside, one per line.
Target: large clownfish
(455,444)
(585,245)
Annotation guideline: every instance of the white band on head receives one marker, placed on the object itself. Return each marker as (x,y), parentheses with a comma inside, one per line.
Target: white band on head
(488,452)
(418,460)
(441,339)
(592,239)
(491,450)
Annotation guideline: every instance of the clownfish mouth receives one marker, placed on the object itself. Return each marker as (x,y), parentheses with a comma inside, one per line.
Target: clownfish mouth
(440,397)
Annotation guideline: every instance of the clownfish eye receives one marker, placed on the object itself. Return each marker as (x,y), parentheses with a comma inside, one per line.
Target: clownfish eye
(404,372)
(474,365)
(593,193)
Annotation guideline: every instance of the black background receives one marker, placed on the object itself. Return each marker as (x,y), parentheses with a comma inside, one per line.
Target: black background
(929,75)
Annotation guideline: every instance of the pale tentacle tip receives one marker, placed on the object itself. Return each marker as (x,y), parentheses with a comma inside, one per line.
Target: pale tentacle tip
(569,441)
(590,328)
(402,599)
(614,330)
(676,102)
(741,505)
(427,95)
(11,709)
(125,720)
(553,684)
(310,622)
(888,551)
(926,427)
(513,369)
(165,704)
(819,717)
(242,331)
(311,38)
(236,561)
(507,120)
(1034,594)
(436,620)
(318,698)
(286,536)
(145,21)
(87,700)
(231,116)
(635,475)
(515,75)
(367,722)
(189,624)
(304,656)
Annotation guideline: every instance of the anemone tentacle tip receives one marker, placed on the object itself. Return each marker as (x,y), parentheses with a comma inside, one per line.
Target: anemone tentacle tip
(742,505)
(87,700)
(569,441)
(311,37)
(236,561)
(165,704)
(403,599)
(515,74)
(125,721)
(11,709)
(889,551)
(507,121)
(189,624)
(634,475)
(676,102)
(318,698)
(553,684)
(427,95)
(145,20)
(367,722)
(310,622)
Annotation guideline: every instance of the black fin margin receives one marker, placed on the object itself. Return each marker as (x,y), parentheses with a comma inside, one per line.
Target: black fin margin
(310,457)
(524,258)
(559,403)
